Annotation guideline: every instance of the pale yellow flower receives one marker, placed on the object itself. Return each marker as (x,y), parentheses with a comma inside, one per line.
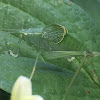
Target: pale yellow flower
(22,90)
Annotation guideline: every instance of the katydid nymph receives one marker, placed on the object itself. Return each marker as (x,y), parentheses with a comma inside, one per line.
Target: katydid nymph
(50,44)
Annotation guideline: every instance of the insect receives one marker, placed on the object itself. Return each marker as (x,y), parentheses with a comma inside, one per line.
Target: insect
(53,41)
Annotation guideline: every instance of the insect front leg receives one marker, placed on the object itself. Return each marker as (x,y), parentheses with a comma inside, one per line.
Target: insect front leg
(18,47)
(35,64)
(4,48)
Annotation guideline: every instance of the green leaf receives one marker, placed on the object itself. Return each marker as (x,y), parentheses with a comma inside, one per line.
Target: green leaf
(50,80)
(91,6)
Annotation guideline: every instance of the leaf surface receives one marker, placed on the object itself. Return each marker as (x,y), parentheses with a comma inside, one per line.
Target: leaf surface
(51,79)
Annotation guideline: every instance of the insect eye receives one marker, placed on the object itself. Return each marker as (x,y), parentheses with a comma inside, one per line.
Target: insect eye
(26,34)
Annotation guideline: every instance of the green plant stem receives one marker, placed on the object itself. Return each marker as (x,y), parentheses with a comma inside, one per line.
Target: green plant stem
(34,67)
(73,79)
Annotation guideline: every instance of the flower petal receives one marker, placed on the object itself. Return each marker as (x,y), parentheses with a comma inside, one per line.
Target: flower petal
(22,87)
(33,97)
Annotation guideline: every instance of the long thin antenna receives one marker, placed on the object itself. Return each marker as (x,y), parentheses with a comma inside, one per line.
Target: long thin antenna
(35,64)
(74,77)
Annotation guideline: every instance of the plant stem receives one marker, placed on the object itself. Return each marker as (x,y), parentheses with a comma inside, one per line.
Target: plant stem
(74,77)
